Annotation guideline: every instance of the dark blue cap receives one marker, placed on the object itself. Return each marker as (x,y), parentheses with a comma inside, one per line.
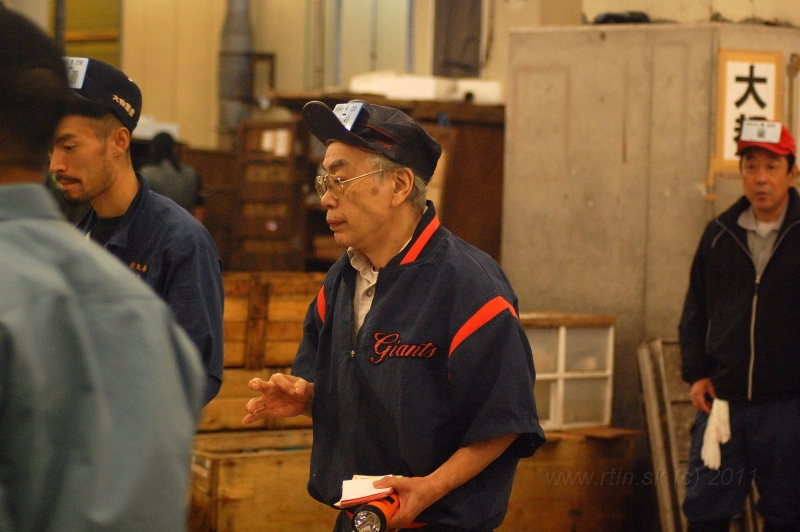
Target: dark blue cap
(104,84)
(376,128)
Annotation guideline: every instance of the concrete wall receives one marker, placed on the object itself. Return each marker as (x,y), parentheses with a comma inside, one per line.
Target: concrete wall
(699,10)
(515,14)
(608,137)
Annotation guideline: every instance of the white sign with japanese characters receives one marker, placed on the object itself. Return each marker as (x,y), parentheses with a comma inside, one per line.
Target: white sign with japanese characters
(750,88)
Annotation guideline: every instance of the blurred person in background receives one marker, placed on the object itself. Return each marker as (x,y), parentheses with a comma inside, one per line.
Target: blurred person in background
(169,177)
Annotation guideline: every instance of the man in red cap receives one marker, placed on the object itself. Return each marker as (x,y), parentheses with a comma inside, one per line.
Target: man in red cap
(740,345)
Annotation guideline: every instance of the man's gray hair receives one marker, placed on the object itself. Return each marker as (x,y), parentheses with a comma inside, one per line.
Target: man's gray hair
(420,190)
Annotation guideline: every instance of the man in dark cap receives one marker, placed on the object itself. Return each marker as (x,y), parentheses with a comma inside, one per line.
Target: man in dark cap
(100,389)
(159,241)
(413,362)
(740,344)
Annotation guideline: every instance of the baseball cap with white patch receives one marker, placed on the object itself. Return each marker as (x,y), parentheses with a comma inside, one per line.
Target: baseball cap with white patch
(767,134)
(104,84)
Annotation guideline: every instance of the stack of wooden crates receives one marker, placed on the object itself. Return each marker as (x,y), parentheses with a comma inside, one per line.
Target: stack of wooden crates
(253,477)
(268,229)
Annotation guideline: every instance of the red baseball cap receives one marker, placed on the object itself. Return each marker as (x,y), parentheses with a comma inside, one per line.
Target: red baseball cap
(770,135)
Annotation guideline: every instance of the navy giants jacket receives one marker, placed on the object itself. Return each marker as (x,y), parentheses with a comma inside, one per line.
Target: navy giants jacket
(173,252)
(440,362)
(742,331)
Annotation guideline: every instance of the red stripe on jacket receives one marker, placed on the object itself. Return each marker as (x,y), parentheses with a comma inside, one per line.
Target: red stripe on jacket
(480,318)
(423,239)
(321,304)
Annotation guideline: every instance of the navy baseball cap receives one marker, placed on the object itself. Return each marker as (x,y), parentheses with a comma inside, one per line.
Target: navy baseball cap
(376,128)
(106,85)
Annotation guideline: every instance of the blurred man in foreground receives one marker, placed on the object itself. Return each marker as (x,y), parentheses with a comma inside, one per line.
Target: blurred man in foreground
(100,389)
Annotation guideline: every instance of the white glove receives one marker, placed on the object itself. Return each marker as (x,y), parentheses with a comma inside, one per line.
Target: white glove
(718,431)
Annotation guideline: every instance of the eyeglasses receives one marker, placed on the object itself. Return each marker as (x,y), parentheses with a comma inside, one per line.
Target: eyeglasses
(335,185)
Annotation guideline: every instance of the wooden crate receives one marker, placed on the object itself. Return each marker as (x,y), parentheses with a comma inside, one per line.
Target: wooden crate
(242,257)
(580,480)
(254,482)
(268,232)
(217,171)
(264,313)
(263,322)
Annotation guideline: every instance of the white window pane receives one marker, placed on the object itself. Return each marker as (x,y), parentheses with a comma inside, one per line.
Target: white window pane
(587,349)
(585,400)
(544,344)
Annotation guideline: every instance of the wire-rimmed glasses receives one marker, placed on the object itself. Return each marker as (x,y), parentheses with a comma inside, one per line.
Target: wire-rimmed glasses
(335,185)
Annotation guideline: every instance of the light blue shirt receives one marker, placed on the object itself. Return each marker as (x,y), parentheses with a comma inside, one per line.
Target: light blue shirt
(761,237)
(100,390)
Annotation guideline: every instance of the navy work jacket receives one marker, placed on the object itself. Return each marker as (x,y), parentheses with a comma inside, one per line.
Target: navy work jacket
(175,255)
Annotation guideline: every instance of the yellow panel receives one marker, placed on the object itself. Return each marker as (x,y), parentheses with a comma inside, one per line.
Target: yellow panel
(171,49)
(107,52)
(196,103)
(91,29)
(92,15)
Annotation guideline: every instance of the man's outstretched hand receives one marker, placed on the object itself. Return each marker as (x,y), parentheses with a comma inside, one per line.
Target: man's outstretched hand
(281,396)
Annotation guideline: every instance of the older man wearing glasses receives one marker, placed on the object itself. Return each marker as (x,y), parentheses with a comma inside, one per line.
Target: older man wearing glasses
(413,361)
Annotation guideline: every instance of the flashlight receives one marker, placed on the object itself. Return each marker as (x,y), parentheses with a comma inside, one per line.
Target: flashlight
(372,517)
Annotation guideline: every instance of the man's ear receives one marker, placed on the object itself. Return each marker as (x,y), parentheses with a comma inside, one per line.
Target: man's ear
(403,185)
(121,140)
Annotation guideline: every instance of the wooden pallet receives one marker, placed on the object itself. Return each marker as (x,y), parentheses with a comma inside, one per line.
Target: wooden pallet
(253,477)
(580,480)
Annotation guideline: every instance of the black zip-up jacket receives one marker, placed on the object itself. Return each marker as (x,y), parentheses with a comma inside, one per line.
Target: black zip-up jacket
(740,330)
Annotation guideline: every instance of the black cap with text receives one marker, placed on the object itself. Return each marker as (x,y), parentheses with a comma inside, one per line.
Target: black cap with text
(102,83)
(384,130)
